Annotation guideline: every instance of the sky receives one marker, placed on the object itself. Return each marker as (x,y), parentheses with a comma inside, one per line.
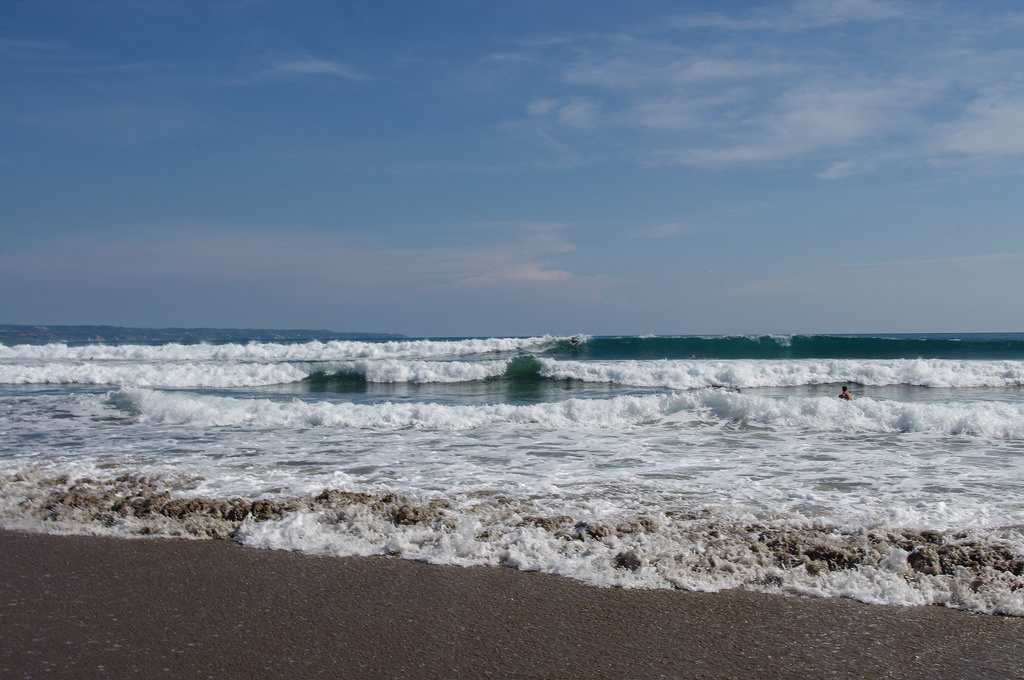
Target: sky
(484,168)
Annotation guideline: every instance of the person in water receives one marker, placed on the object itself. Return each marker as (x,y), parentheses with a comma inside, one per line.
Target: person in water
(846,394)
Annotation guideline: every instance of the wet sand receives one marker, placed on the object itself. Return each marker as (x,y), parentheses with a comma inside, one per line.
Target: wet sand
(85,607)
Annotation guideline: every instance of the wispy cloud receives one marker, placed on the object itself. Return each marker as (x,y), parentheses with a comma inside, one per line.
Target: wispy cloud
(228,272)
(687,110)
(798,16)
(663,231)
(509,58)
(576,112)
(665,67)
(307,68)
(542,107)
(876,96)
(843,169)
(991,126)
(805,120)
(308,258)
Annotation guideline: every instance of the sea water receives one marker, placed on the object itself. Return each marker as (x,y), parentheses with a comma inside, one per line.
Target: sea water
(689,462)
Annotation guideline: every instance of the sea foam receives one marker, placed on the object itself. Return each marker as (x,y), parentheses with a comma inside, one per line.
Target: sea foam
(673,374)
(271,352)
(679,374)
(705,550)
(167,374)
(213,411)
(243,374)
(709,407)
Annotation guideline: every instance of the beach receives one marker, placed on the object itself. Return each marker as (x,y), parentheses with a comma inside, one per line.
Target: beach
(534,507)
(97,607)
(512,340)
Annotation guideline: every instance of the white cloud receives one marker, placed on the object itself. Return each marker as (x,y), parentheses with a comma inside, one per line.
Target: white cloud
(664,231)
(711,69)
(303,258)
(653,67)
(805,120)
(508,58)
(530,272)
(842,170)
(576,112)
(540,107)
(682,111)
(298,68)
(798,16)
(579,113)
(873,98)
(828,12)
(991,126)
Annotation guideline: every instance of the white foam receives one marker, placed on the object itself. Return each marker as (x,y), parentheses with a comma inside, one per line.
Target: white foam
(270,352)
(695,374)
(210,411)
(240,374)
(242,366)
(991,420)
(694,555)
(170,374)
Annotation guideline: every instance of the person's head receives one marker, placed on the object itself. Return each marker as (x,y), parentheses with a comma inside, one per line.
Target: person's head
(845,388)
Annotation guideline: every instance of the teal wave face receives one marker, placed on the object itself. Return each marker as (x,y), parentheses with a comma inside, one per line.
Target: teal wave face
(524,368)
(336,381)
(925,346)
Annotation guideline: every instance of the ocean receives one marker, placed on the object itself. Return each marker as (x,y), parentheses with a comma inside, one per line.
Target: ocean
(690,462)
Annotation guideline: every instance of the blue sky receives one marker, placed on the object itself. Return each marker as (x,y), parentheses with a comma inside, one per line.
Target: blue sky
(514,168)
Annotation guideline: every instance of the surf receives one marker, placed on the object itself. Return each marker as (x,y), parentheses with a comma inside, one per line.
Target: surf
(523,369)
(700,408)
(271,351)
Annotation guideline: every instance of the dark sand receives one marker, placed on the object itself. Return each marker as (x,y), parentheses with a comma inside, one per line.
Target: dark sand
(82,607)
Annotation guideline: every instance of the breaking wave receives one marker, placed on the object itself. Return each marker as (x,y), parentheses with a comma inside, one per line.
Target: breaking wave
(674,374)
(247,374)
(335,350)
(708,407)
(212,411)
(170,374)
(678,374)
(401,371)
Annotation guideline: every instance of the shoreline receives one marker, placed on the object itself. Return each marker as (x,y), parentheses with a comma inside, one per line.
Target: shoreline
(84,606)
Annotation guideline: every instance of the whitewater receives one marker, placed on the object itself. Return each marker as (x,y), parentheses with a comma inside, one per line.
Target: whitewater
(695,462)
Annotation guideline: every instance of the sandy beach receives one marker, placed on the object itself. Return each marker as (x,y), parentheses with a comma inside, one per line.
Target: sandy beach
(87,607)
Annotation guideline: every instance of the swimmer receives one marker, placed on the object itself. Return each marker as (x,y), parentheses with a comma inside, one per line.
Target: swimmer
(846,394)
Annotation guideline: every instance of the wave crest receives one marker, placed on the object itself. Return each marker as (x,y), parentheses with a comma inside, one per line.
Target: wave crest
(696,374)
(707,407)
(335,350)
(674,374)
